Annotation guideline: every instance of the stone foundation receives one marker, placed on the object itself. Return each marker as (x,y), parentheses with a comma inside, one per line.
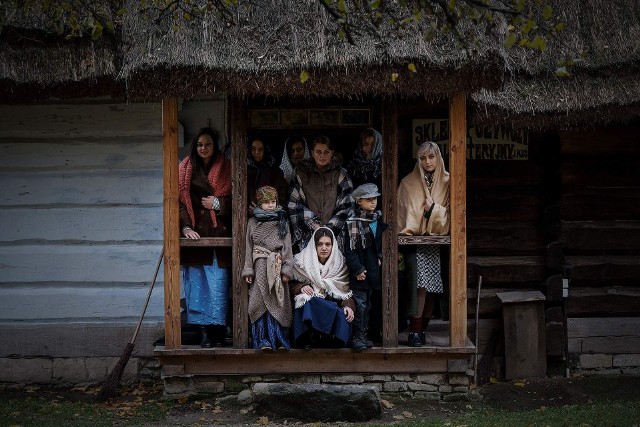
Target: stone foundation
(438,386)
(605,364)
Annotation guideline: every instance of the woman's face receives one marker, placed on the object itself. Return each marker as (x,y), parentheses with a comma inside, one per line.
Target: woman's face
(428,161)
(324,249)
(367,145)
(257,150)
(296,153)
(205,147)
(322,155)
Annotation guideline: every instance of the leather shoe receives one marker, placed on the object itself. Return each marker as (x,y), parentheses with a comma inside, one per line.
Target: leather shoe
(413,339)
(205,342)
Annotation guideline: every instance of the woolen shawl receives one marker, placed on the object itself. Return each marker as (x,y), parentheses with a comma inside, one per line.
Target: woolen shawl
(330,279)
(219,177)
(412,194)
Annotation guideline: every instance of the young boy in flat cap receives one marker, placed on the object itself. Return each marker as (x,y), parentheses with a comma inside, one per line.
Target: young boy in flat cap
(363,253)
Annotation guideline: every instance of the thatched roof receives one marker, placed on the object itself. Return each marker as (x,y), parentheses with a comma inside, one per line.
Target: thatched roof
(270,44)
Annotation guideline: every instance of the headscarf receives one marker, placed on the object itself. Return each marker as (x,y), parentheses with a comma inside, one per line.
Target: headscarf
(285,164)
(363,168)
(412,193)
(331,279)
(267,158)
(265,194)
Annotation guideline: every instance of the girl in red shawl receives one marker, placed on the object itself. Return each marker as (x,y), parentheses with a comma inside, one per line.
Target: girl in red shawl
(205,209)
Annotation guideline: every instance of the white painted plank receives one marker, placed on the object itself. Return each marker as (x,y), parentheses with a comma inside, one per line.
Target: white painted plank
(140,152)
(80,120)
(81,187)
(82,303)
(78,263)
(97,223)
(77,339)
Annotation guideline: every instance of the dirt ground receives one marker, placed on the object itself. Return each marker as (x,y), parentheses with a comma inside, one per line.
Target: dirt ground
(519,395)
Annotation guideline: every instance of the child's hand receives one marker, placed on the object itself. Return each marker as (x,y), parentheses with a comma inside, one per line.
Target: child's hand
(285,278)
(249,279)
(362,275)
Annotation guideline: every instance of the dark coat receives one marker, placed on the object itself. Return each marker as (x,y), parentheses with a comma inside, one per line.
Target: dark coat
(261,175)
(359,259)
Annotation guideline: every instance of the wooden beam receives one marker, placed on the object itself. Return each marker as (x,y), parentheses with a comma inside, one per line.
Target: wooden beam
(390,239)
(239,122)
(458,215)
(171,223)
(207,242)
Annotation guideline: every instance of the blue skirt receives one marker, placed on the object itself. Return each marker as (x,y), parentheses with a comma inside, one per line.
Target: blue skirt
(267,332)
(206,294)
(324,317)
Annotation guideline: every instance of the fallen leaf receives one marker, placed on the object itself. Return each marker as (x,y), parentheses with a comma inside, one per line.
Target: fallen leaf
(263,420)
(216,410)
(519,384)
(183,399)
(386,404)
(398,417)
(493,380)
(407,414)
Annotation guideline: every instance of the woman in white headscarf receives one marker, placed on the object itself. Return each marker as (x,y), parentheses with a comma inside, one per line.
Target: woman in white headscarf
(423,209)
(324,307)
(295,150)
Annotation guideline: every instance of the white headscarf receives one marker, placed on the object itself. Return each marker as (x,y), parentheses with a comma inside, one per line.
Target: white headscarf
(285,164)
(331,279)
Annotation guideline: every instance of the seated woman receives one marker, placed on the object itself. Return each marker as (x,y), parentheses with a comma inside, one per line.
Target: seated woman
(324,307)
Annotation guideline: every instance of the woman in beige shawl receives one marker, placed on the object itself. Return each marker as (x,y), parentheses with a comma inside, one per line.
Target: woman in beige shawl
(423,209)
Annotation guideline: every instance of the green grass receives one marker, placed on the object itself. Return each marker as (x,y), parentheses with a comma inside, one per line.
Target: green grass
(26,411)
(597,414)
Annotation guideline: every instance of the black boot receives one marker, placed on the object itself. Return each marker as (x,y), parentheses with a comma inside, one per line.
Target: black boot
(219,335)
(205,342)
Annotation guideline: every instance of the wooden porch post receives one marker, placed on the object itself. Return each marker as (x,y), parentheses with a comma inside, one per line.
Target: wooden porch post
(390,237)
(238,130)
(171,223)
(457,189)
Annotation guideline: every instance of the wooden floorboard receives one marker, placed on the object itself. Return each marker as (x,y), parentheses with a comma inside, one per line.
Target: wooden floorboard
(228,360)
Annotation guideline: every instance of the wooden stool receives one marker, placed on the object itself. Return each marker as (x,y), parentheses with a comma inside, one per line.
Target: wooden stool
(525,352)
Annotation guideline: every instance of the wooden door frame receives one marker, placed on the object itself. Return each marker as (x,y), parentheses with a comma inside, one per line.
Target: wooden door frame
(238,125)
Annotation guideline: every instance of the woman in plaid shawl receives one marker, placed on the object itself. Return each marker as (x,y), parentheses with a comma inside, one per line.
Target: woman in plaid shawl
(320,194)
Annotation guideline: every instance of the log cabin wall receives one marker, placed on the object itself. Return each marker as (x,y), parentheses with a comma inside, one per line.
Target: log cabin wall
(600,236)
(81,215)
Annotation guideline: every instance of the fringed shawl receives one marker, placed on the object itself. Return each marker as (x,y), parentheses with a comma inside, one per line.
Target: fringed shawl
(330,279)
(412,194)
(302,216)
(219,177)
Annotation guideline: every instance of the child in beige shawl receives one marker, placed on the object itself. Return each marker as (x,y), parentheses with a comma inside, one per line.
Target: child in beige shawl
(423,209)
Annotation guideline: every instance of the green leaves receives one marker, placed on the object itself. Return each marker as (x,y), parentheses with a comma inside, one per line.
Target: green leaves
(562,72)
(547,12)
(304,76)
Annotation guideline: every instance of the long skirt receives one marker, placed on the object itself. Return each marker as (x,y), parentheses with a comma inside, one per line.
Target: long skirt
(206,293)
(323,317)
(267,332)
